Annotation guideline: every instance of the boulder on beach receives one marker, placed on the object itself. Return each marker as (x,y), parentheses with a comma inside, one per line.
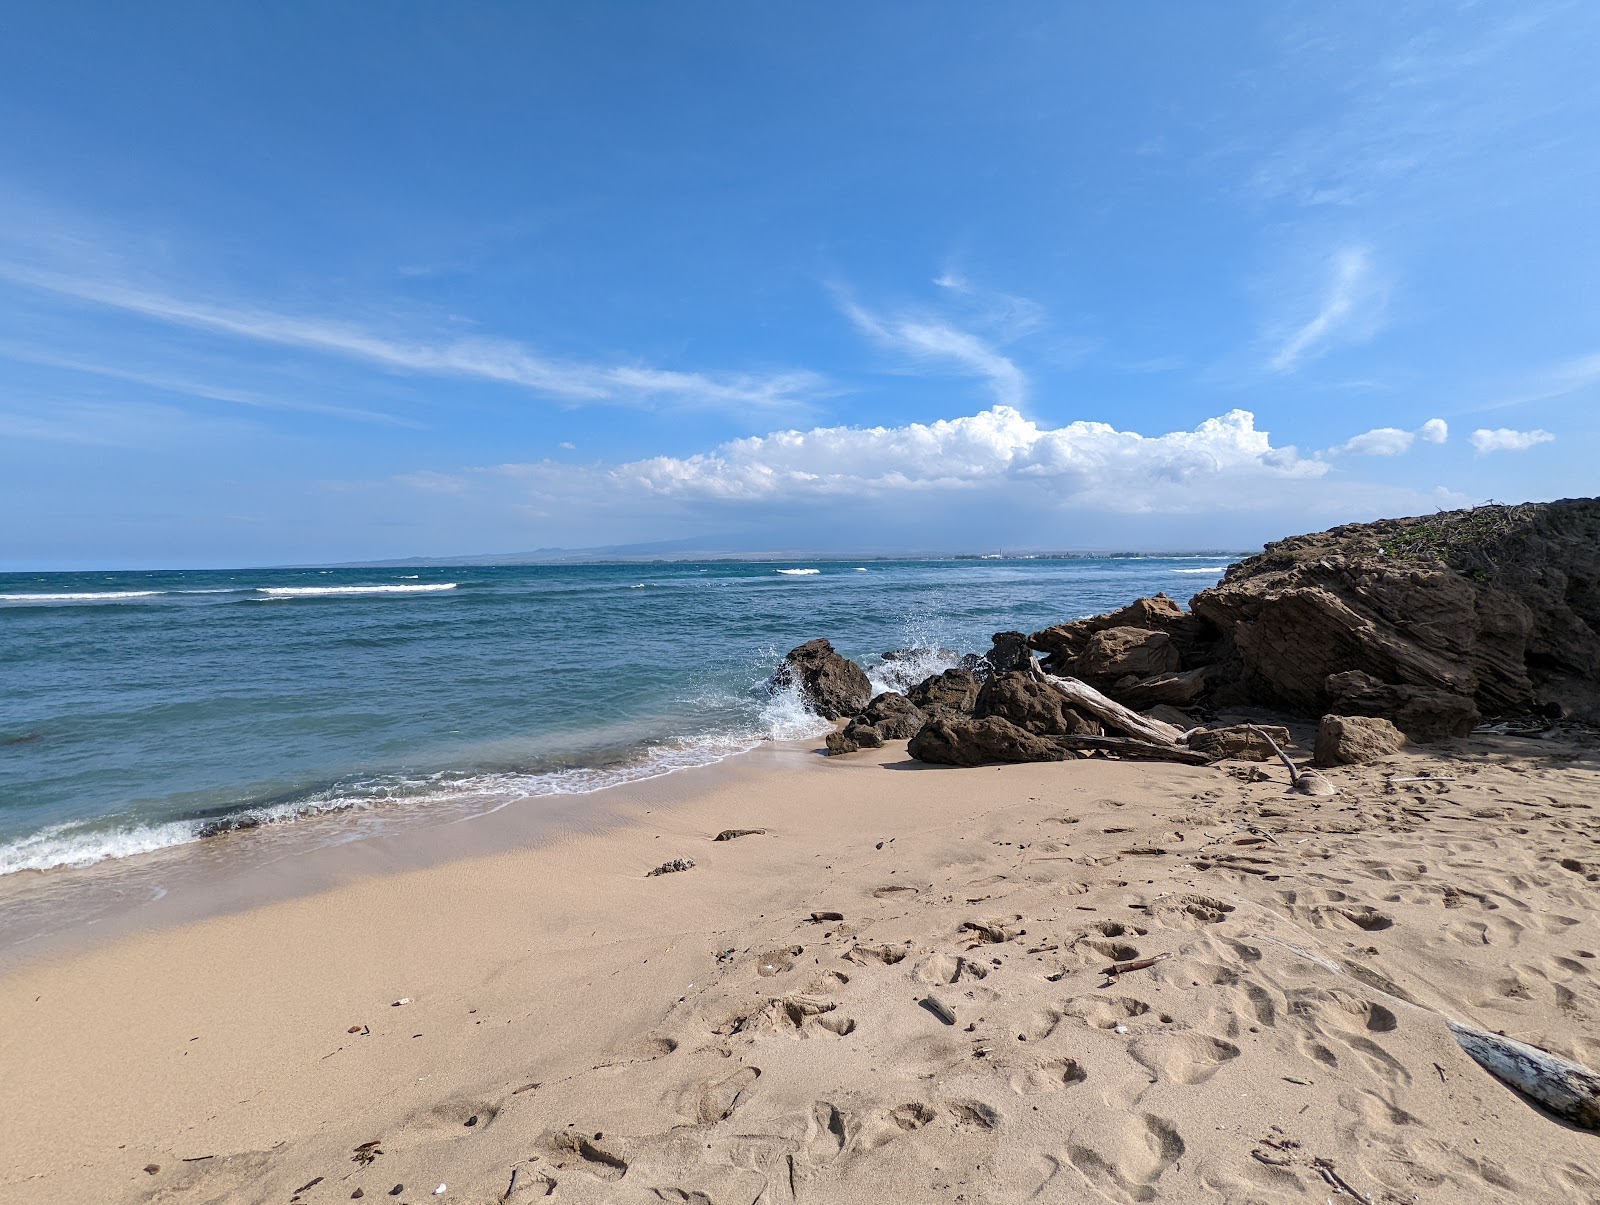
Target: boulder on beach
(832,686)
(1241,742)
(1032,704)
(888,717)
(895,717)
(1115,653)
(1354,740)
(957,740)
(954,690)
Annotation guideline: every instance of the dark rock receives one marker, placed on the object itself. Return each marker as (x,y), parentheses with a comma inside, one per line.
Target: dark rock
(1032,704)
(954,690)
(229,824)
(857,734)
(832,686)
(895,717)
(1239,742)
(1344,740)
(1010,652)
(1421,713)
(1115,653)
(1497,604)
(956,740)
(1064,643)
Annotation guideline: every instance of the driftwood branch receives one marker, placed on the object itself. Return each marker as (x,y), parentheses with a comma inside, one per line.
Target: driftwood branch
(1568,1090)
(1307,782)
(1128,747)
(1114,714)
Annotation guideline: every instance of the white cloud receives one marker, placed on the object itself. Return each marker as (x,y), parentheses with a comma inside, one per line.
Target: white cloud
(484,358)
(1083,463)
(1381,441)
(933,340)
(567,445)
(1393,441)
(1504,439)
(1348,311)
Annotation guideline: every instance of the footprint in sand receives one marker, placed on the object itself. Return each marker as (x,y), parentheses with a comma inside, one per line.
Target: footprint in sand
(777,961)
(943,968)
(714,1100)
(1189,1058)
(884,955)
(886,1125)
(1051,1075)
(975,1114)
(569,1149)
(1106,1012)
(1143,1148)
(892,891)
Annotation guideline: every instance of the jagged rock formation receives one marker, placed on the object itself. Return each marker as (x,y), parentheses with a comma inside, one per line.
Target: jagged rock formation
(1494,609)
(1404,628)
(833,686)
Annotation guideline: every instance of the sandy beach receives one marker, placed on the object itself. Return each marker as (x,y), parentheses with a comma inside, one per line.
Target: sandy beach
(765,1026)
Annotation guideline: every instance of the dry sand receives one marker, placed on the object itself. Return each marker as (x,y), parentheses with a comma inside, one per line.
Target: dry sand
(697,1037)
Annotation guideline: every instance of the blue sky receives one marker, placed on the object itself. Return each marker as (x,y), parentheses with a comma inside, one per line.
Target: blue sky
(288,283)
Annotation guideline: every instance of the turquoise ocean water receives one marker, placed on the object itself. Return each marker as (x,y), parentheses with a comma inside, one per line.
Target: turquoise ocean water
(137,710)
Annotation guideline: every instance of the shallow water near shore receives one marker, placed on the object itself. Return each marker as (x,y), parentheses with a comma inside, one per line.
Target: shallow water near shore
(144,710)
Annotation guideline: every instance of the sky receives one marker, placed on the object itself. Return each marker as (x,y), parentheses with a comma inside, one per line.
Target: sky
(295,283)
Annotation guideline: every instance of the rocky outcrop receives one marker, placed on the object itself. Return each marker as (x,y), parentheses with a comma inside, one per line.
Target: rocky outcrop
(1427,622)
(833,686)
(957,740)
(1063,644)
(1345,740)
(1032,704)
(954,690)
(1494,610)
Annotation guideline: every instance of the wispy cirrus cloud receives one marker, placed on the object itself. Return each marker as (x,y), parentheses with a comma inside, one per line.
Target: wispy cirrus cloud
(501,360)
(1348,310)
(934,342)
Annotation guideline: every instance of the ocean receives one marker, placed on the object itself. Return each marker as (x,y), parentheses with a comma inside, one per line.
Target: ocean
(142,711)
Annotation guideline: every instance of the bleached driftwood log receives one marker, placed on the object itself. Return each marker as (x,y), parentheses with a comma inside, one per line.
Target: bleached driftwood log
(1307,782)
(1125,746)
(1086,698)
(1568,1090)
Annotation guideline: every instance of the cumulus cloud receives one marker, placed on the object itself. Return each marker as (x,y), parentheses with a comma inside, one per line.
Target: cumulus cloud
(1082,463)
(1348,310)
(1393,441)
(1504,439)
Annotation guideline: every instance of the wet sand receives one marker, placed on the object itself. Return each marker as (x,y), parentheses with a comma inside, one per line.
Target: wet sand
(701,1036)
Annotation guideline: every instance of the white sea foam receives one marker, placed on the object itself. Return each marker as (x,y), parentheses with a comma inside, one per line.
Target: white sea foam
(59,845)
(799,572)
(785,716)
(1217,569)
(80,596)
(861,569)
(318,591)
(905,672)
